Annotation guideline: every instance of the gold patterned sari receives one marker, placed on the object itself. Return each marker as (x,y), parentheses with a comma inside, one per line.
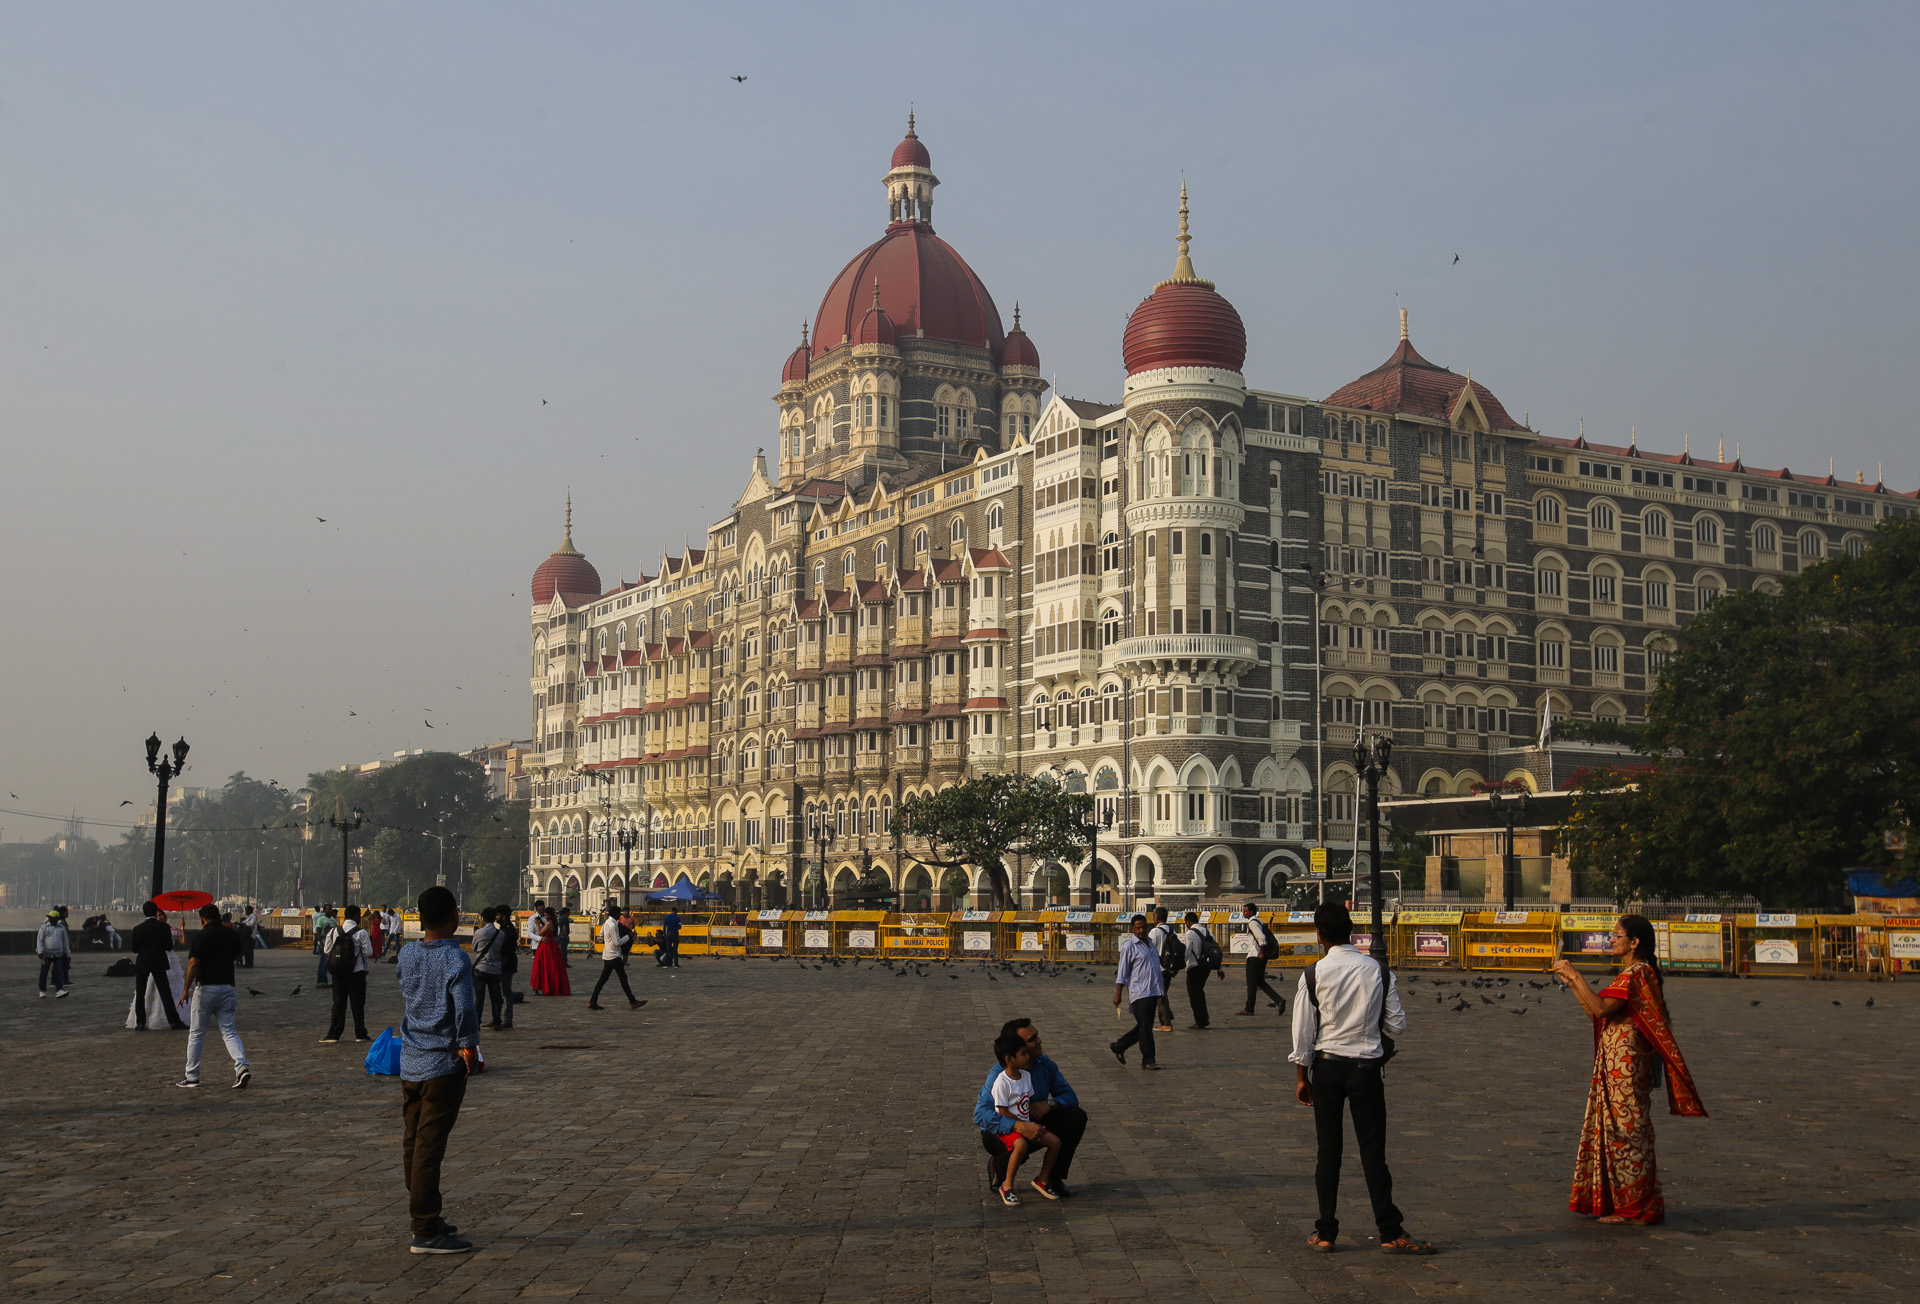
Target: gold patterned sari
(1615,1174)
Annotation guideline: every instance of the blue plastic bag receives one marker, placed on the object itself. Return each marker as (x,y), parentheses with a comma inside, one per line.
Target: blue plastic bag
(384,1055)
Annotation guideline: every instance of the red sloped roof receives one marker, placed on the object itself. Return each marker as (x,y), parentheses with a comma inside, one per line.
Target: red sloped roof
(1407,382)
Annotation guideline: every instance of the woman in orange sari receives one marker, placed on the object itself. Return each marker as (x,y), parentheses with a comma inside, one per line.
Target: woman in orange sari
(1615,1178)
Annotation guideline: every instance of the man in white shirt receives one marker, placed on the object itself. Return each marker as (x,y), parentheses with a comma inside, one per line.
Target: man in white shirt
(1157,937)
(352,950)
(613,961)
(1346,1005)
(1197,940)
(1258,935)
(1139,980)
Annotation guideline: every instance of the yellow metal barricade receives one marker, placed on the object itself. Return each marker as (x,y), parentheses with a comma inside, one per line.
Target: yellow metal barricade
(730,938)
(768,932)
(1847,944)
(1427,939)
(296,926)
(1031,934)
(1696,944)
(1294,932)
(975,934)
(1900,944)
(1776,945)
(1090,937)
(1517,941)
(814,937)
(857,932)
(921,936)
(1587,941)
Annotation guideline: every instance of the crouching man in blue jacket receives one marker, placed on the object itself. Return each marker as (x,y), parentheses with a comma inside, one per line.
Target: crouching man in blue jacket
(1066,1119)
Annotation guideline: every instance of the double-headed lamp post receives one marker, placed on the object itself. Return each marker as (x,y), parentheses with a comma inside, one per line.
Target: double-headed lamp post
(347,827)
(628,837)
(1508,812)
(1370,764)
(167,772)
(822,839)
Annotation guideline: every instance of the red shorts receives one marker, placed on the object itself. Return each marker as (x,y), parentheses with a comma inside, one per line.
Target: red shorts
(1011,1139)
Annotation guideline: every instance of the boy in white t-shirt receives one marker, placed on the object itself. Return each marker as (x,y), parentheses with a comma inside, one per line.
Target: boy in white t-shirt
(1013,1099)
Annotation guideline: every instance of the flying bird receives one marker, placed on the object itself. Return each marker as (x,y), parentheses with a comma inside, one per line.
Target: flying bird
(1456,258)
(321,519)
(738,77)
(543,402)
(427,723)
(126,803)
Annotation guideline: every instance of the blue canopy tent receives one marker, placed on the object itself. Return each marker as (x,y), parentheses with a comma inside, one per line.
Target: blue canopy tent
(682,893)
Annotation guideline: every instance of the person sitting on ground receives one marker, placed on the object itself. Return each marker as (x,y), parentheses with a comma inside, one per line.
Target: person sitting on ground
(1065,1118)
(1013,1100)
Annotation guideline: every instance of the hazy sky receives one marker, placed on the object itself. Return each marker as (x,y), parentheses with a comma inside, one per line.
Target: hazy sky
(266,264)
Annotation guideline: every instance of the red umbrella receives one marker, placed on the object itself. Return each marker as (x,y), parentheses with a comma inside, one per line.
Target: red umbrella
(183,900)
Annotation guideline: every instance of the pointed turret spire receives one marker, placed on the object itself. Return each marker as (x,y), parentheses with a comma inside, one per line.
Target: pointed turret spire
(566,548)
(1183,265)
(1403,324)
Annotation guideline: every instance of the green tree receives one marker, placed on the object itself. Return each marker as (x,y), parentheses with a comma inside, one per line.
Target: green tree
(987,819)
(1778,745)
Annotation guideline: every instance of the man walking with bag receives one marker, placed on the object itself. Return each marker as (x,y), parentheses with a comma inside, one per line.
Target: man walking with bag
(1139,980)
(1203,961)
(613,958)
(349,952)
(1262,946)
(1173,958)
(1344,1013)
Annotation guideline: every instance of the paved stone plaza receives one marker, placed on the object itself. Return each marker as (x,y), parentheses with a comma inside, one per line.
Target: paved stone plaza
(766,1131)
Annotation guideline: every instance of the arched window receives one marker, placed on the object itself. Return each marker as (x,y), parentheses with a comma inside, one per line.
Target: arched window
(1856,546)
(1706,529)
(820,573)
(995,517)
(1206,543)
(1042,712)
(1110,551)
(1109,627)
(1812,545)
(847,566)
(956,530)
(1766,538)
(1655,525)
(1546,509)
(1601,517)
(880,553)
(919,541)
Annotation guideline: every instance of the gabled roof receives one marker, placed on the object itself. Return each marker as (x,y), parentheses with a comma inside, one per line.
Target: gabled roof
(1088,411)
(988,559)
(1408,383)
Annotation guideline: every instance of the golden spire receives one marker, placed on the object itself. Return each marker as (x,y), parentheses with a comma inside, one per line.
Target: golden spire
(566,548)
(1686,444)
(1829,466)
(876,292)
(1721,454)
(1183,265)
(1403,323)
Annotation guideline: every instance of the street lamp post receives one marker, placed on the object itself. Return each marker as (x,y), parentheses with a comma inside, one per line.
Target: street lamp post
(822,839)
(347,827)
(628,837)
(1508,813)
(159,766)
(1370,763)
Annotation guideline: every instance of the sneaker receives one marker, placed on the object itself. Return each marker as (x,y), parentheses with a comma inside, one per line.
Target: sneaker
(441,1243)
(1060,1189)
(1009,1196)
(241,1078)
(1046,1190)
(592,1006)
(363,1036)
(43,994)
(62,992)
(634,1005)
(187,1082)
(329,1041)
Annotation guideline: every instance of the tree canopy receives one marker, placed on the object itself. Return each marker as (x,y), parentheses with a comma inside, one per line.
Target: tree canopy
(988,818)
(1779,745)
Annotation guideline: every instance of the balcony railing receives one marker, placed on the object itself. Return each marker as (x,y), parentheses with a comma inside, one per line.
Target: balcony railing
(1186,647)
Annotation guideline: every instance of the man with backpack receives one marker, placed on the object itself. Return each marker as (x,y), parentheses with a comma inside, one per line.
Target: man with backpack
(1262,946)
(349,952)
(1173,958)
(1203,961)
(1344,1013)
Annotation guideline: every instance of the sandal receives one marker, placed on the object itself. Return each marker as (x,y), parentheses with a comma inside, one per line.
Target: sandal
(1320,1243)
(1405,1245)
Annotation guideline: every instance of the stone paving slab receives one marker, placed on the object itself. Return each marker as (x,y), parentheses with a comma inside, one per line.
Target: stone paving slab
(784,1132)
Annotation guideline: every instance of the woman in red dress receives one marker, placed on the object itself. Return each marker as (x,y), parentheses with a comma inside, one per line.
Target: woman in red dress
(1614,1178)
(549,966)
(375,936)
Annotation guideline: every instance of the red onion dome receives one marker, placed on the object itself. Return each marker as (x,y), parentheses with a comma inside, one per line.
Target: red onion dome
(1018,351)
(565,570)
(795,370)
(910,153)
(1185,322)
(876,327)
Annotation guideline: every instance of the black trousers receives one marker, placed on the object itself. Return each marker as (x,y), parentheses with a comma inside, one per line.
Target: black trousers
(1197,993)
(1339,1083)
(608,968)
(428,1111)
(1142,1033)
(1068,1122)
(349,990)
(1257,982)
(672,945)
(492,990)
(157,971)
(246,948)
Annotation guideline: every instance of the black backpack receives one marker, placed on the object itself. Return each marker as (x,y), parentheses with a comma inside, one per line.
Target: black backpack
(341,958)
(1210,955)
(1387,1048)
(1173,954)
(1269,949)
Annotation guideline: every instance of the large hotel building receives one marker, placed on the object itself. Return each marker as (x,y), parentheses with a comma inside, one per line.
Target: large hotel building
(1186,602)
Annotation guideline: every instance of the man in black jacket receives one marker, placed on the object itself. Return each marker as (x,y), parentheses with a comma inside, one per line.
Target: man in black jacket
(151,941)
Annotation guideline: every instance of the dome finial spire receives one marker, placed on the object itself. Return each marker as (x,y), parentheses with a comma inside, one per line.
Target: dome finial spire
(1183,265)
(566,538)
(1016,314)
(910,118)
(876,292)
(1403,323)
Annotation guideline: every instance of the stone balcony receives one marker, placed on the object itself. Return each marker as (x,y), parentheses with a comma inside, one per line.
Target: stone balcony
(1165,651)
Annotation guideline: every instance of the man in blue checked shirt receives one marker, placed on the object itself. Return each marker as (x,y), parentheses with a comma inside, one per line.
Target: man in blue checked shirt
(1140,980)
(1065,1120)
(438,1036)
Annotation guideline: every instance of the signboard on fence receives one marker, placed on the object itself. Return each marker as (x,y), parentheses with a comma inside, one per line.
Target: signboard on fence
(726,930)
(768,916)
(936,943)
(1588,923)
(1691,946)
(975,916)
(817,938)
(1512,917)
(1428,917)
(1596,943)
(1431,944)
(1510,950)
(860,939)
(1317,863)
(1033,942)
(1904,945)
(1776,950)
(818,914)
(976,941)
(1776,921)
(1081,942)
(1079,916)
(773,938)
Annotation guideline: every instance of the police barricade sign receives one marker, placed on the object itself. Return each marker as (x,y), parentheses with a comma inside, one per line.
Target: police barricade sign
(726,939)
(915,935)
(1776,945)
(1509,939)
(1426,939)
(1695,944)
(816,939)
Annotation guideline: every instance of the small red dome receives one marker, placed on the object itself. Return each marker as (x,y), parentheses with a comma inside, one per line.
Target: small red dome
(1018,350)
(564,572)
(795,370)
(1184,323)
(876,327)
(910,153)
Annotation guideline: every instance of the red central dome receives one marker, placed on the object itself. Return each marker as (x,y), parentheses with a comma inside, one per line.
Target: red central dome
(926,288)
(1184,324)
